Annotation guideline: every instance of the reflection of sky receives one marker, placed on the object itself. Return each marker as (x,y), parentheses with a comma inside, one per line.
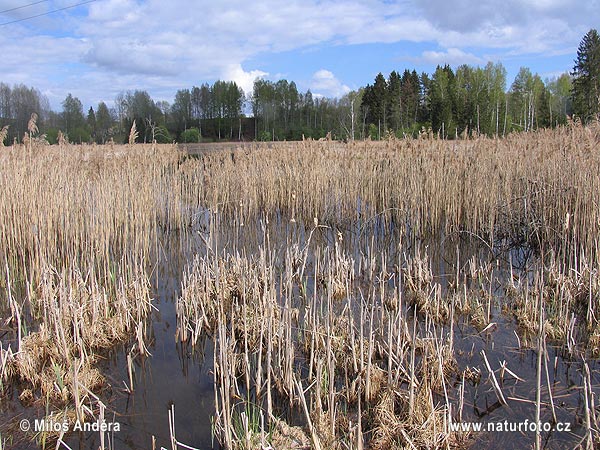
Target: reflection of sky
(98,49)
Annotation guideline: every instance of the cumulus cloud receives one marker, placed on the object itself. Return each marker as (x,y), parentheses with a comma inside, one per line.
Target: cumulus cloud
(132,57)
(453,57)
(325,83)
(158,45)
(242,78)
(524,26)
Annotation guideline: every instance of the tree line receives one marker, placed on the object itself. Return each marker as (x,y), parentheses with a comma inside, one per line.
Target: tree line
(451,103)
(448,103)
(209,111)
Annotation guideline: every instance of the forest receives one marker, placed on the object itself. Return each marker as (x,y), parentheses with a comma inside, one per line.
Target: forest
(448,103)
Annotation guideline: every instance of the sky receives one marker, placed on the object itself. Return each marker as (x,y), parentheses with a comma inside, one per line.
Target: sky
(99,48)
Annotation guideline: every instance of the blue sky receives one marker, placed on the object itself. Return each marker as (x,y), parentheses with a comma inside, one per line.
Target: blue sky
(103,47)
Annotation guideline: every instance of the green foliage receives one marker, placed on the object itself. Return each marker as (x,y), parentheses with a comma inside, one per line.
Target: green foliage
(52,135)
(181,110)
(79,135)
(162,135)
(190,135)
(374,102)
(394,101)
(442,99)
(91,122)
(104,122)
(451,102)
(72,115)
(529,101)
(561,104)
(586,77)
(373,132)
(265,136)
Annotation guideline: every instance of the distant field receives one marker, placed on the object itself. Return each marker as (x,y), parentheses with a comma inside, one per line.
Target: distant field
(225,146)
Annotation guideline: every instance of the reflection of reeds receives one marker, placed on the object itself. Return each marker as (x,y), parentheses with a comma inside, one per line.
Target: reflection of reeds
(341,359)
(323,324)
(538,188)
(78,231)
(329,333)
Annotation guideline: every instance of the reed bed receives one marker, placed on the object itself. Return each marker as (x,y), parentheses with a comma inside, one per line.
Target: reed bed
(537,188)
(340,317)
(322,345)
(80,229)
(355,334)
(298,327)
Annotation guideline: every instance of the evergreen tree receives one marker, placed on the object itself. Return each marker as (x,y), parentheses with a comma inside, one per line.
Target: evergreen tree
(91,122)
(411,98)
(586,74)
(374,105)
(394,103)
(379,104)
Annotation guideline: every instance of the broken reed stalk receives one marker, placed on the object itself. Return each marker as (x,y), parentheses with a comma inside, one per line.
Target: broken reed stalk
(313,434)
(589,410)
(72,210)
(412,381)
(549,386)
(540,354)
(130,370)
(495,384)
(15,309)
(79,227)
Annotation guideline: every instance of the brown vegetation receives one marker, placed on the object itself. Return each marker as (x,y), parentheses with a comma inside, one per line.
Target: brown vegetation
(314,273)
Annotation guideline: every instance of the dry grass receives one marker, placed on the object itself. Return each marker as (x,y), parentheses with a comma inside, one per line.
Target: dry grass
(539,188)
(316,343)
(326,327)
(344,320)
(79,232)
(3,134)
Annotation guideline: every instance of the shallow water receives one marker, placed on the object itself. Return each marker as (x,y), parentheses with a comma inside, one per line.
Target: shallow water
(178,375)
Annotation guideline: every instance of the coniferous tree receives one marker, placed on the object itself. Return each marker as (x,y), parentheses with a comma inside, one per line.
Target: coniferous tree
(379,103)
(394,103)
(374,105)
(411,98)
(91,122)
(586,77)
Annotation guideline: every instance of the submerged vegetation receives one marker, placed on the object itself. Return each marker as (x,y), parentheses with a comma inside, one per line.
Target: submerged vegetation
(352,292)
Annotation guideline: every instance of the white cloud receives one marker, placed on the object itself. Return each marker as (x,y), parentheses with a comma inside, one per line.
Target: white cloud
(132,57)
(523,26)
(162,45)
(324,83)
(242,78)
(453,57)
